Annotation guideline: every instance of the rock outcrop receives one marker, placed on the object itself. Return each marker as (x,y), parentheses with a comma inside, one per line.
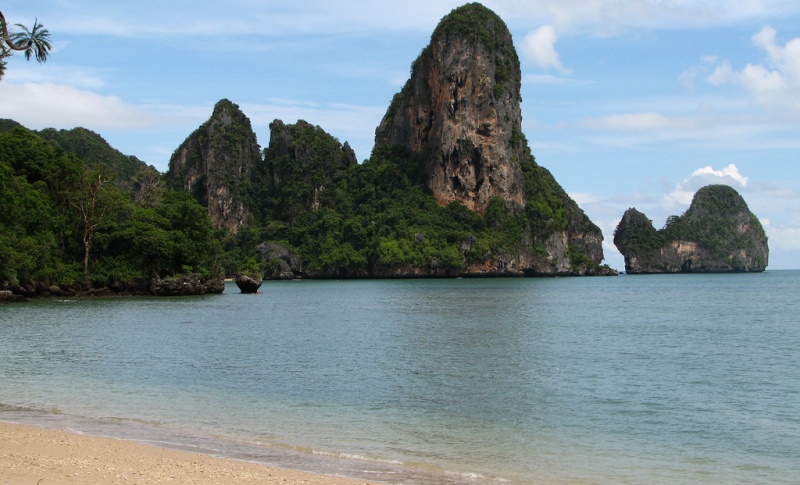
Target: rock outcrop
(247,284)
(460,111)
(7,296)
(187,285)
(451,187)
(459,118)
(302,156)
(280,263)
(717,234)
(214,163)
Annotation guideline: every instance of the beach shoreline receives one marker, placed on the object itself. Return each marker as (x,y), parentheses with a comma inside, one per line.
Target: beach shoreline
(31,455)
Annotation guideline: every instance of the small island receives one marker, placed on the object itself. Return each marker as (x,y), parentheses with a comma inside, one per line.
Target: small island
(717,234)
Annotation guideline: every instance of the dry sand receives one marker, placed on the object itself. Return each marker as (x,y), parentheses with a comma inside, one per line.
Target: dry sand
(30,455)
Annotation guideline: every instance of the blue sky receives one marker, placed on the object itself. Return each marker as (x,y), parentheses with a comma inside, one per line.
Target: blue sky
(630,103)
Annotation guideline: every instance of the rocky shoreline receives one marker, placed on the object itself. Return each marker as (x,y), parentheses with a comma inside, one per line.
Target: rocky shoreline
(184,285)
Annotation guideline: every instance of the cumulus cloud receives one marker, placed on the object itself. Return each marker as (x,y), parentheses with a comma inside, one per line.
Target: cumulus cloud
(56,74)
(683,193)
(640,122)
(539,47)
(774,84)
(689,76)
(782,238)
(58,106)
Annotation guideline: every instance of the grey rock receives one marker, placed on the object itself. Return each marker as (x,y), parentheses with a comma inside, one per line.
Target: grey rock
(281,264)
(248,284)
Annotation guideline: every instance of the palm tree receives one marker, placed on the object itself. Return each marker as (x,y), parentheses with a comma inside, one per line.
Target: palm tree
(34,42)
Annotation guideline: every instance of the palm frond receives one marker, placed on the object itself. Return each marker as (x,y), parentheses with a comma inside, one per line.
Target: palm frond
(36,41)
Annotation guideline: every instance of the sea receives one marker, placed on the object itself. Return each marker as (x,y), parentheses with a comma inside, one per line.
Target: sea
(634,379)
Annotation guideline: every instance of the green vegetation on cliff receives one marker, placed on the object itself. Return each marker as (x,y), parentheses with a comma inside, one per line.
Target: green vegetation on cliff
(94,150)
(63,223)
(128,171)
(715,221)
(308,194)
(727,235)
(379,218)
(77,212)
(479,23)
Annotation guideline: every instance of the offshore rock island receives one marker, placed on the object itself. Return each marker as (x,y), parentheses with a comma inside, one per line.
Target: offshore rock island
(451,188)
(717,234)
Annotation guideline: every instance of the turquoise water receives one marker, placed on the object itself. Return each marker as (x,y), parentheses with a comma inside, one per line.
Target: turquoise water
(633,379)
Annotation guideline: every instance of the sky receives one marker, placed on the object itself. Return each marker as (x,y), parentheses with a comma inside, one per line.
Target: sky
(629,103)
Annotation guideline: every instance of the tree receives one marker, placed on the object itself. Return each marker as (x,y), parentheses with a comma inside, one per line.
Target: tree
(148,187)
(91,202)
(34,42)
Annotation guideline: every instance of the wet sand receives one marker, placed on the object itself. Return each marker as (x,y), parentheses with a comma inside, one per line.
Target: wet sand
(30,455)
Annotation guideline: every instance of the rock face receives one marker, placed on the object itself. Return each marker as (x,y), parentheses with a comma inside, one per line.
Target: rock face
(451,188)
(214,161)
(281,264)
(7,296)
(717,234)
(460,111)
(302,156)
(459,118)
(188,285)
(248,284)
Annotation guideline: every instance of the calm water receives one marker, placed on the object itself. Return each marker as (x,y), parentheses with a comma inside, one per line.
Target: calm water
(634,379)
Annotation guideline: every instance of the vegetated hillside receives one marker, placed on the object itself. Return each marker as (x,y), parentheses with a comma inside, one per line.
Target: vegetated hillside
(129,172)
(451,187)
(95,150)
(66,229)
(718,233)
(7,125)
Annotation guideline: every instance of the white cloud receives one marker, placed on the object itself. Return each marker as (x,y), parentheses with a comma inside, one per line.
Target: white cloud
(54,73)
(539,47)
(683,193)
(774,85)
(58,106)
(544,79)
(688,77)
(782,238)
(583,198)
(640,122)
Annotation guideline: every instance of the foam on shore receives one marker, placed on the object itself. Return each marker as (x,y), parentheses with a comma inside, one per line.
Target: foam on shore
(31,454)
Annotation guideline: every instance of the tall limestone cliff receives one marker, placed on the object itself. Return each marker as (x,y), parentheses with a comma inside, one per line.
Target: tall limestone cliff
(300,164)
(460,110)
(718,233)
(459,118)
(451,187)
(215,162)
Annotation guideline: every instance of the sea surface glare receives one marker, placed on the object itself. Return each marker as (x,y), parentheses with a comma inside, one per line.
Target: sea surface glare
(635,379)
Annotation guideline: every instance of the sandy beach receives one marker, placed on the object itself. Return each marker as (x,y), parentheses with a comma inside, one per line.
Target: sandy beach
(30,455)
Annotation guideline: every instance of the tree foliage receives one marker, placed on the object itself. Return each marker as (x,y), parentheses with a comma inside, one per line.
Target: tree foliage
(352,220)
(63,222)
